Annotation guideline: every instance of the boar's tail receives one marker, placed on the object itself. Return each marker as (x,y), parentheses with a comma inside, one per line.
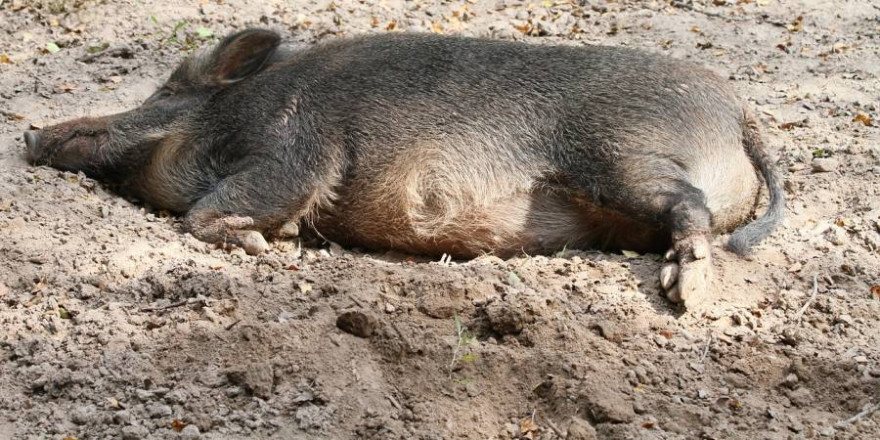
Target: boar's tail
(742,239)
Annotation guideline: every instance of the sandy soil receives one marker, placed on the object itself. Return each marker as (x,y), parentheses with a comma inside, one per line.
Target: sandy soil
(114,324)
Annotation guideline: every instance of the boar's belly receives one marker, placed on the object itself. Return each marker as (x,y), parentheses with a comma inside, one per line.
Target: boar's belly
(465,223)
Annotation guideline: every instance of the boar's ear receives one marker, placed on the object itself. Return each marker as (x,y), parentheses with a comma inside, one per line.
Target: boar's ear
(242,54)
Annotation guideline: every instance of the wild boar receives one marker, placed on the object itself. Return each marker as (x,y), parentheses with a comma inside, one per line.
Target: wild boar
(435,144)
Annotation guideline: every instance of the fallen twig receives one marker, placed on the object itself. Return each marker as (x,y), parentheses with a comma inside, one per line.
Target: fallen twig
(158,309)
(689,7)
(706,348)
(553,426)
(867,412)
(116,52)
(797,316)
(11,116)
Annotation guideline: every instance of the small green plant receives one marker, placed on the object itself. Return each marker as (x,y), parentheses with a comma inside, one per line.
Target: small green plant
(821,152)
(465,339)
(181,36)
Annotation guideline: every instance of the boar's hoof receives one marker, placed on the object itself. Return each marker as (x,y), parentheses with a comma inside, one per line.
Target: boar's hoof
(289,230)
(252,242)
(686,275)
(211,227)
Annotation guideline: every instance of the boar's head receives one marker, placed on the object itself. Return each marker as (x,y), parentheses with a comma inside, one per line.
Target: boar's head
(116,148)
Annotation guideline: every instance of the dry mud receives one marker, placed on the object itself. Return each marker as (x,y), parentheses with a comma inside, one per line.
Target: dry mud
(114,324)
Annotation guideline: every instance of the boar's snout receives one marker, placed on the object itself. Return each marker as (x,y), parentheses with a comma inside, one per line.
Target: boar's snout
(32,141)
(70,146)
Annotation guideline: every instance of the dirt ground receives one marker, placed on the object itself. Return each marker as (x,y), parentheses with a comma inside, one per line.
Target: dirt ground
(114,324)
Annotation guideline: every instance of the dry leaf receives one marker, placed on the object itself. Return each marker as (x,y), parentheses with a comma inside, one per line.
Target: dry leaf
(374,21)
(177,425)
(4,59)
(436,27)
(527,426)
(391,25)
(65,88)
(39,286)
(864,119)
(305,287)
(526,28)
(797,25)
(875,290)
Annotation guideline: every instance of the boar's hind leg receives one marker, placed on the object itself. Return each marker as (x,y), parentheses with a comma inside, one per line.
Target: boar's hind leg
(673,204)
(688,269)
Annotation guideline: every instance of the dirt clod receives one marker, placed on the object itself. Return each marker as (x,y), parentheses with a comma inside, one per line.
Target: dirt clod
(255,378)
(825,165)
(357,322)
(580,429)
(504,318)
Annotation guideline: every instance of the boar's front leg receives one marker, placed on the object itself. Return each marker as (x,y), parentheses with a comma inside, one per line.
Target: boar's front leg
(214,226)
(244,205)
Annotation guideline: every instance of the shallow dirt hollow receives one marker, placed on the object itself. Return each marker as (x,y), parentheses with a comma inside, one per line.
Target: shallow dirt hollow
(114,324)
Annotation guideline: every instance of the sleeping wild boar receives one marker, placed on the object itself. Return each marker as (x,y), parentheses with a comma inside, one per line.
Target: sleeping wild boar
(430,144)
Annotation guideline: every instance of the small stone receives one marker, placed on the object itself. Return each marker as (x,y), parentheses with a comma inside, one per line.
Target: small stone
(790,336)
(122,417)
(825,165)
(836,235)
(134,432)
(791,380)
(285,316)
(190,432)
(800,397)
(176,396)
(253,243)
(289,230)
(389,308)
(844,319)
(357,322)
(83,415)
(234,391)
(156,411)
